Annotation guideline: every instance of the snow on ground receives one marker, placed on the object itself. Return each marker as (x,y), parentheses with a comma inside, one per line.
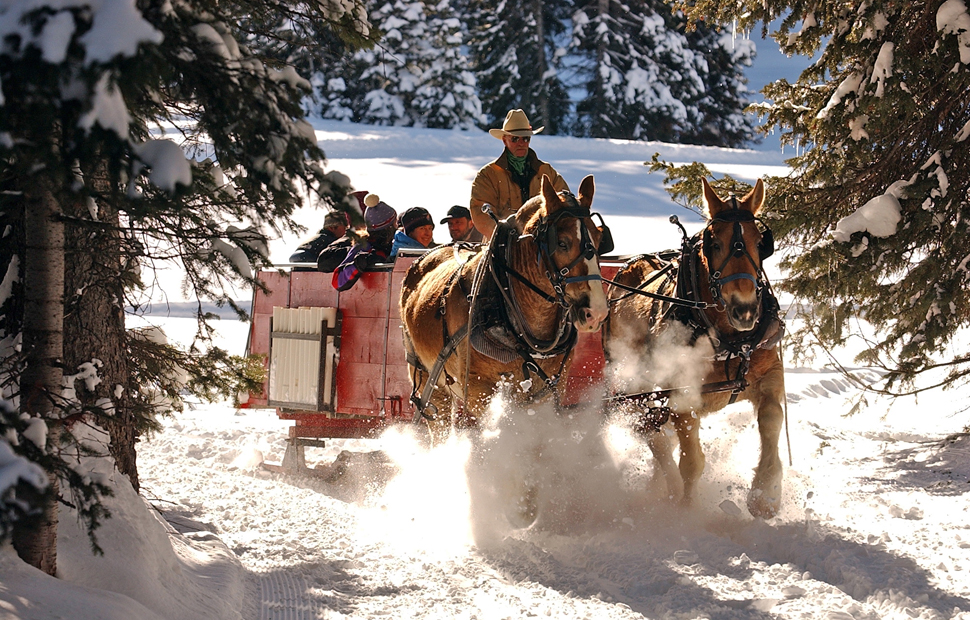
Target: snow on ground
(874,523)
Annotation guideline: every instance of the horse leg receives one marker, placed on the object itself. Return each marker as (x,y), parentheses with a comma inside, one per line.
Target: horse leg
(437,412)
(764,500)
(441,423)
(691,454)
(667,471)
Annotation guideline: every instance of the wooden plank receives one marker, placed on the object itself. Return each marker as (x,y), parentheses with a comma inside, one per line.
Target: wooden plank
(313,289)
(259,338)
(358,386)
(335,427)
(362,341)
(368,298)
(279,292)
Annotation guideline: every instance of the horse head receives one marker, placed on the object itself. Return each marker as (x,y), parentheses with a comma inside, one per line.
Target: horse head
(733,249)
(569,243)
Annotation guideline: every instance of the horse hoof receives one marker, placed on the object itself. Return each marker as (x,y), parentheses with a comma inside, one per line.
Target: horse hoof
(761,506)
(525,511)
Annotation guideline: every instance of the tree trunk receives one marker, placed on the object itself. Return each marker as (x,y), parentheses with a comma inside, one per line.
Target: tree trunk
(94,324)
(43,339)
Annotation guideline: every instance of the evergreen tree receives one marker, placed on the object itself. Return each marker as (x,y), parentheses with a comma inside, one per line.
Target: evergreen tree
(516,58)
(875,210)
(447,96)
(720,118)
(415,76)
(648,79)
(390,75)
(81,89)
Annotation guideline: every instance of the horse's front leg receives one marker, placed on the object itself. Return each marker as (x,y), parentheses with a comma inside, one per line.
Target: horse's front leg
(764,500)
(667,471)
(440,423)
(688,426)
(437,413)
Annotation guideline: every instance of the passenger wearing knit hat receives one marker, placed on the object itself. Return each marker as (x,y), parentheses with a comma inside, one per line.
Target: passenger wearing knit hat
(414,218)
(349,257)
(417,230)
(379,214)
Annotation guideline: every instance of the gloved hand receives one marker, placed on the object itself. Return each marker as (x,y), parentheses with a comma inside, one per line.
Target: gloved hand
(363,260)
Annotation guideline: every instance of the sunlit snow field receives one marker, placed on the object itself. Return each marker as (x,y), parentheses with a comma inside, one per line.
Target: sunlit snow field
(874,518)
(873,525)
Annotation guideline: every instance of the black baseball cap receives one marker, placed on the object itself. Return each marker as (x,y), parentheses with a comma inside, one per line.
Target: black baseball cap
(457,211)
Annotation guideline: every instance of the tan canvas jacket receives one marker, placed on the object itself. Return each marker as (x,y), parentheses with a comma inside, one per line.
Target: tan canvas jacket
(494,185)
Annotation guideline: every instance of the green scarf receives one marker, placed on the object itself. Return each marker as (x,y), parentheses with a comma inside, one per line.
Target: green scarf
(517,164)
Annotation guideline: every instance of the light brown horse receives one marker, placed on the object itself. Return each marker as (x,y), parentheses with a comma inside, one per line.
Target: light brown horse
(533,286)
(734,320)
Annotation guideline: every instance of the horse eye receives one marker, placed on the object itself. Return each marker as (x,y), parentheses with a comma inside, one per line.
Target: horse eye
(562,244)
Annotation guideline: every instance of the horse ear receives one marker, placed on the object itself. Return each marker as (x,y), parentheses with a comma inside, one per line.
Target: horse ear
(756,197)
(712,203)
(586,188)
(551,197)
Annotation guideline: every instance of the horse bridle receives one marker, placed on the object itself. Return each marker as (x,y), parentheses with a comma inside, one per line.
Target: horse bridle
(766,248)
(548,244)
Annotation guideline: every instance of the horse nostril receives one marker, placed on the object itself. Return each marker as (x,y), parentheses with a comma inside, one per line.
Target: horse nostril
(744,314)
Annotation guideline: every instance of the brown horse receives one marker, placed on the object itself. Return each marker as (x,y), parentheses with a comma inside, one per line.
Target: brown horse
(730,315)
(535,284)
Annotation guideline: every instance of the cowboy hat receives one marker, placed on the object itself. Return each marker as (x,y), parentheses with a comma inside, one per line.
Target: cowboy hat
(516,124)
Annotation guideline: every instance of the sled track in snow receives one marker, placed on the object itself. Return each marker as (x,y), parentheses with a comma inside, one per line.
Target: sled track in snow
(283,596)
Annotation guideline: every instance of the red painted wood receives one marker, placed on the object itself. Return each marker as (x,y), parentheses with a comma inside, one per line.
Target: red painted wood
(312,289)
(369,297)
(278,295)
(372,347)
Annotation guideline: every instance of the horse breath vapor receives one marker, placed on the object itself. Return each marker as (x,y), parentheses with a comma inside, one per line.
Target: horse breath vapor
(670,362)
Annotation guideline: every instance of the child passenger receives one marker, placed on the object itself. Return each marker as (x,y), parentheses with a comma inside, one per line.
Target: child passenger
(349,259)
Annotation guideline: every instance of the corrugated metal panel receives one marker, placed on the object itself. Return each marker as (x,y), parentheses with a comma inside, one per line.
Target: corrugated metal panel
(295,358)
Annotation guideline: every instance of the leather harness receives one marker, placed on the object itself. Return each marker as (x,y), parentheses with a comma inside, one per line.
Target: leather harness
(499,330)
(682,270)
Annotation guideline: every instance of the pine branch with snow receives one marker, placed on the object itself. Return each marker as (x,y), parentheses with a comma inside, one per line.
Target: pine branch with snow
(874,213)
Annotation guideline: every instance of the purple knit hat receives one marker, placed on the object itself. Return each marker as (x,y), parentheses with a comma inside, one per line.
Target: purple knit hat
(379,215)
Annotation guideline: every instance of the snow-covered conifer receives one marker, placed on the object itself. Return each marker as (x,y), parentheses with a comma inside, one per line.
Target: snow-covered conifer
(515,53)
(446,96)
(874,214)
(416,75)
(133,134)
(648,79)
